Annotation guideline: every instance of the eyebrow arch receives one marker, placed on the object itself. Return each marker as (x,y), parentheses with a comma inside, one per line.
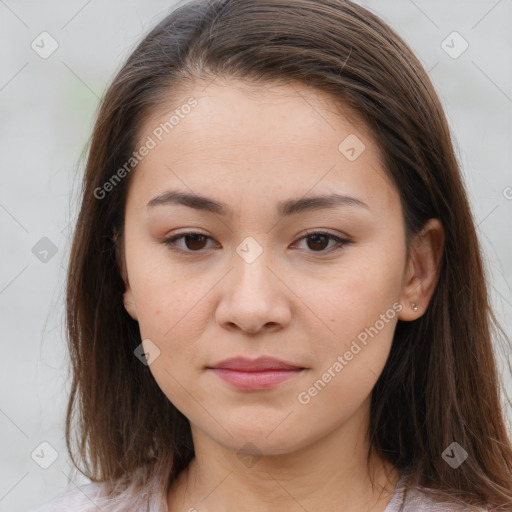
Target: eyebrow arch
(284,208)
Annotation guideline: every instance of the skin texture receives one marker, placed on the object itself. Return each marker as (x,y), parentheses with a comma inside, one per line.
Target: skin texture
(301,300)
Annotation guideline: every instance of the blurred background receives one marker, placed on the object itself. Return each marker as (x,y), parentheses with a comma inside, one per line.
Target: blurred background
(57,59)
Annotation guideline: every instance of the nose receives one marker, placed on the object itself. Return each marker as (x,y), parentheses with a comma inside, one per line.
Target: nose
(254,297)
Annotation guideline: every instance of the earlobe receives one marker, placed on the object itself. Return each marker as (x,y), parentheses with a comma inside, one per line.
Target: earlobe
(128,300)
(129,304)
(423,270)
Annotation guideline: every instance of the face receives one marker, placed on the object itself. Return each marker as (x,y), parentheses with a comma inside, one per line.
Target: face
(258,271)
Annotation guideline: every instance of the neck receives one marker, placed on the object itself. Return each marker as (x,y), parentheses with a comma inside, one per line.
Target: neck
(329,474)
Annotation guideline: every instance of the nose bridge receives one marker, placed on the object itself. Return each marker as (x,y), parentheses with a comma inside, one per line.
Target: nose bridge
(251,263)
(253,296)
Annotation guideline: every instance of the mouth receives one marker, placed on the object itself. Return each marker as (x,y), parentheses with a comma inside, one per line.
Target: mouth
(258,374)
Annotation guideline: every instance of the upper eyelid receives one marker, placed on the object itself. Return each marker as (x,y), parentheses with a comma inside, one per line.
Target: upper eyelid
(337,238)
(309,232)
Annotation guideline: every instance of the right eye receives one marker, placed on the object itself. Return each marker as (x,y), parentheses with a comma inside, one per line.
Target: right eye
(194,242)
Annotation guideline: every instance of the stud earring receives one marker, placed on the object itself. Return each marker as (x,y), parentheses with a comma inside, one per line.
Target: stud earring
(414,306)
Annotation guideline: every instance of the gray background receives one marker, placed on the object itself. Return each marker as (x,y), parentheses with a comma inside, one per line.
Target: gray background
(47,109)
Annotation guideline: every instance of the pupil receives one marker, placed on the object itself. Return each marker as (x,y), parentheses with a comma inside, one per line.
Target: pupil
(316,238)
(194,240)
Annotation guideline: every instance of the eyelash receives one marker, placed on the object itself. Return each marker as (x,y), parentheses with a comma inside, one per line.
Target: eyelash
(341,242)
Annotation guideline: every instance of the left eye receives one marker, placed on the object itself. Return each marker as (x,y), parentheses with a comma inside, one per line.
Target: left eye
(193,239)
(194,242)
(319,239)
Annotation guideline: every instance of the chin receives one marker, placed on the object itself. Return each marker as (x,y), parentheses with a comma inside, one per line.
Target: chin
(260,446)
(261,440)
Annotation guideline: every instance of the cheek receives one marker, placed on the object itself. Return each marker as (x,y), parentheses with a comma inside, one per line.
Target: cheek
(168,314)
(359,306)
(164,294)
(174,320)
(353,297)
(174,314)
(361,313)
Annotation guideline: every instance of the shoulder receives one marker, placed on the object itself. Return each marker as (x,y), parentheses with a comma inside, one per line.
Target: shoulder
(80,499)
(94,497)
(410,498)
(419,500)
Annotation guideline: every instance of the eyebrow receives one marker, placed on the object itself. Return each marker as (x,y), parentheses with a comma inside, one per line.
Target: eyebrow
(284,208)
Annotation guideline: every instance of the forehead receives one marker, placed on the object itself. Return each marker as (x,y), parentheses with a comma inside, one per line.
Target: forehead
(224,106)
(273,136)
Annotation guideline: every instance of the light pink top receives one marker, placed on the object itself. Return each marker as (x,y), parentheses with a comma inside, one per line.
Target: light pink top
(85,499)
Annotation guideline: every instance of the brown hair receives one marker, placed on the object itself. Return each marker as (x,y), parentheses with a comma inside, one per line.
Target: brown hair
(440,383)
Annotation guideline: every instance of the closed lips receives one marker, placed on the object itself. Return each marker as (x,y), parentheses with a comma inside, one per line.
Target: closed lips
(258,365)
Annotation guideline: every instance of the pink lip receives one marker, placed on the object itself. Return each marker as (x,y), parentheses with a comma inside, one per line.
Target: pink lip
(261,373)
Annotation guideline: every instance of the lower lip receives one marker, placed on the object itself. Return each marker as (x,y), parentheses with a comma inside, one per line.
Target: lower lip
(255,380)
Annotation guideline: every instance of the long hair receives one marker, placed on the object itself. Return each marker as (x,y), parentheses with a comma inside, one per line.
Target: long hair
(440,384)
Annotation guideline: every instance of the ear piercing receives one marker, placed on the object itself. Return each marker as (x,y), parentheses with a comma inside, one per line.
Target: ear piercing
(414,306)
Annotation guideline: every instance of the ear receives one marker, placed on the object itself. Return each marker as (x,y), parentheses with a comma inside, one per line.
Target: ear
(128,300)
(422,270)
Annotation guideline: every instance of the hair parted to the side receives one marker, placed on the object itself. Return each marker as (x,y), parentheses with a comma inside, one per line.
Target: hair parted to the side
(440,383)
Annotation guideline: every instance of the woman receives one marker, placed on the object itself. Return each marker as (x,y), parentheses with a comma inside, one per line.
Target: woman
(276,298)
